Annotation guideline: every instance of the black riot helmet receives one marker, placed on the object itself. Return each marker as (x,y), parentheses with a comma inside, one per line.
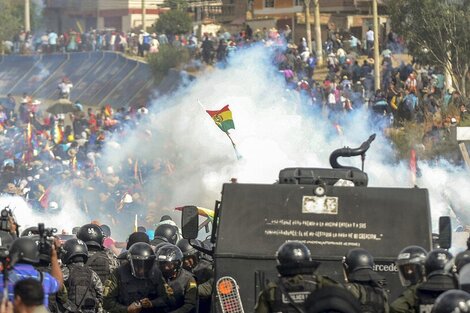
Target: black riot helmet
(74,250)
(170,259)
(436,261)
(91,234)
(294,258)
(25,249)
(358,266)
(137,237)
(357,259)
(410,263)
(293,252)
(188,249)
(141,258)
(166,232)
(191,255)
(462,259)
(162,244)
(452,301)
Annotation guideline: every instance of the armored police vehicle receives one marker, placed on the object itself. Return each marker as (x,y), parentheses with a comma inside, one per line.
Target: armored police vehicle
(330,210)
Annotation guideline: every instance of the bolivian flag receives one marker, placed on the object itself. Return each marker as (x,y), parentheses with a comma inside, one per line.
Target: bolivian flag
(222,118)
(57,134)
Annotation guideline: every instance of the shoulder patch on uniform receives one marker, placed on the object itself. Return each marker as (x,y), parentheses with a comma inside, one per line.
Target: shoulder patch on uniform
(169,290)
(192,284)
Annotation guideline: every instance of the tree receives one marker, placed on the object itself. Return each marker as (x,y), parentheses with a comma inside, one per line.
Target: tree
(436,32)
(10,20)
(174,22)
(176,4)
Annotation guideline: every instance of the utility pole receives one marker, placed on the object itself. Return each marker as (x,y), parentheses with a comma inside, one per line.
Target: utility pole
(143,15)
(307,24)
(376,45)
(318,41)
(27,22)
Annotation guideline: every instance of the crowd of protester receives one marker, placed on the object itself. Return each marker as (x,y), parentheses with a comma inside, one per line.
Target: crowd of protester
(43,158)
(42,152)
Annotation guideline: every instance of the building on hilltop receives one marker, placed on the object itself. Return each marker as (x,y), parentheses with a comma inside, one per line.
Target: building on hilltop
(336,15)
(82,15)
(120,15)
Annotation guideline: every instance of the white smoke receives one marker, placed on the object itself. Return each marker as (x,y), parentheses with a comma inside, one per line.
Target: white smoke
(43,74)
(38,7)
(68,216)
(272,132)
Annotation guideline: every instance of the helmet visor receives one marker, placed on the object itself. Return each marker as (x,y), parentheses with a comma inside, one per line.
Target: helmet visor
(410,274)
(189,262)
(141,267)
(167,268)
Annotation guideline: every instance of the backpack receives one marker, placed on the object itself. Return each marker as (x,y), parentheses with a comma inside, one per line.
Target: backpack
(99,262)
(81,294)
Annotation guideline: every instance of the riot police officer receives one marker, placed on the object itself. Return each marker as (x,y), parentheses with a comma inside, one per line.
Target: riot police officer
(165,233)
(181,284)
(296,277)
(194,262)
(365,284)
(83,285)
(410,263)
(133,238)
(439,278)
(137,285)
(452,301)
(100,260)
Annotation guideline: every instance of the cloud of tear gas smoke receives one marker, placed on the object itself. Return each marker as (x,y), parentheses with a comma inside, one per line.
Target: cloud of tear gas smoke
(272,132)
(65,218)
(43,74)
(38,7)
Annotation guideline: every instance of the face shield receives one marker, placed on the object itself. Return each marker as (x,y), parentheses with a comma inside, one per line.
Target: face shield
(141,266)
(189,263)
(168,269)
(410,273)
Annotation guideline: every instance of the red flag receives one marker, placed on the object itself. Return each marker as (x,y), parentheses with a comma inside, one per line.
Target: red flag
(44,198)
(413,166)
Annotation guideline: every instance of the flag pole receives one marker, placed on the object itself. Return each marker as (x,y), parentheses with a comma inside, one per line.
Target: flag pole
(234,146)
(199,101)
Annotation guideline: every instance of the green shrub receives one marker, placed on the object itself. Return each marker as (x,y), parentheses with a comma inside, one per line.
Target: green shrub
(166,58)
